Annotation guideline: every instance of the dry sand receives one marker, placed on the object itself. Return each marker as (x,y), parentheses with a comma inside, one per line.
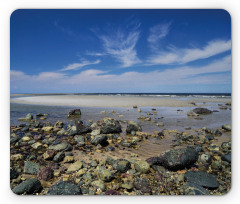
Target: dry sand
(113,101)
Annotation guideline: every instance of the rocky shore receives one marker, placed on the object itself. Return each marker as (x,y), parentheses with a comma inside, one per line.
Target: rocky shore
(78,159)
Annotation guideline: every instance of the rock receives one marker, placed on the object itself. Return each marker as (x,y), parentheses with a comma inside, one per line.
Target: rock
(227,158)
(37,137)
(29,117)
(74,113)
(104,174)
(122,165)
(47,129)
(68,159)
(29,186)
(193,189)
(142,185)
(31,167)
(75,167)
(142,166)
(80,139)
(176,159)
(103,112)
(45,174)
(99,139)
(127,185)
(48,155)
(139,110)
(26,139)
(110,125)
(95,132)
(81,128)
(109,149)
(13,174)
(226,127)
(72,130)
(202,178)
(61,132)
(59,157)
(142,117)
(132,126)
(134,106)
(192,114)
(15,139)
(37,145)
(61,147)
(205,158)
(58,124)
(111,192)
(99,185)
(202,111)
(64,188)
(16,157)
(223,107)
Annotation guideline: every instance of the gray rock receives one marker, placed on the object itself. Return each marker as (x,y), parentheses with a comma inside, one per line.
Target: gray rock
(99,139)
(202,178)
(31,167)
(110,125)
(122,165)
(142,185)
(61,147)
(104,174)
(132,126)
(142,166)
(227,158)
(193,189)
(80,139)
(226,127)
(74,113)
(30,186)
(202,111)
(99,184)
(64,188)
(13,174)
(59,157)
(29,116)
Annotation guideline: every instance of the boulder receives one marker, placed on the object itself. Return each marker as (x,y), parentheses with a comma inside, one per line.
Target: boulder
(202,178)
(226,127)
(48,155)
(176,159)
(74,113)
(110,125)
(142,185)
(226,157)
(31,167)
(202,111)
(64,188)
(80,139)
(132,126)
(29,186)
(59,157)
(99,185)
(29,117)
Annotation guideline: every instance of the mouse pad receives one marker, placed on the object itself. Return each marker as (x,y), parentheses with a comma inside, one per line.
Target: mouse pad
(120,102)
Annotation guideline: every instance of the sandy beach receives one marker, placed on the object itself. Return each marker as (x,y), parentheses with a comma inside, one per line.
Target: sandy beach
(113,101)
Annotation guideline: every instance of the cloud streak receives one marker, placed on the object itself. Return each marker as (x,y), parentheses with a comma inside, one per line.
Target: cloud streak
(185,55)
(76,66)
(158,32)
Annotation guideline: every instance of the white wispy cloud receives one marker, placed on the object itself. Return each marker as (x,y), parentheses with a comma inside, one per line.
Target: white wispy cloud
(98,54)
(93,80)
(121,43)
(158,32)
(75,66)
(184,55)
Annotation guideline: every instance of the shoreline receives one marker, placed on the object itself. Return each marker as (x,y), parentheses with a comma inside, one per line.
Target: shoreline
(114,101)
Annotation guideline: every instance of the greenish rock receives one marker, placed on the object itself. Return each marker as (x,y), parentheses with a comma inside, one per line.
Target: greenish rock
(28,117)
(226,127)
(99,185)
(122,165)
(61,132)
(93,163)
(127,185)
(202,178)
(31,167)
(216,165)
(15,139)
(142,166)
(61,147)
(59,157)
(75,167)
(80,139)
(64,188)
(110,125)
(193,189)
(133,126)
(72,130)
(104,174)
(30,186)
(37,145)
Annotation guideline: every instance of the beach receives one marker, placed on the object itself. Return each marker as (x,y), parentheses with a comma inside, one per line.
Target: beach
(108,137)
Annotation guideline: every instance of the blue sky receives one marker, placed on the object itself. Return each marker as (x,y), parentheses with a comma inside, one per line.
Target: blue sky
(91,51)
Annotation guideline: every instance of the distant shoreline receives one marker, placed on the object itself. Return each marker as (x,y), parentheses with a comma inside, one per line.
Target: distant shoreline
(113,100)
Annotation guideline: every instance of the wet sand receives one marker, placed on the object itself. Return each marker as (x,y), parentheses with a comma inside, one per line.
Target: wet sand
(114,101)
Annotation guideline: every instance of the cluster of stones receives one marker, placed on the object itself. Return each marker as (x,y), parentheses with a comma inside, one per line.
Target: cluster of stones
(43,162)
